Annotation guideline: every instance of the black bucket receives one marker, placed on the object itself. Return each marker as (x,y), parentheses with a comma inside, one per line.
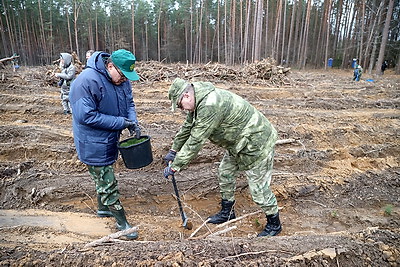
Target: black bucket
(137,155)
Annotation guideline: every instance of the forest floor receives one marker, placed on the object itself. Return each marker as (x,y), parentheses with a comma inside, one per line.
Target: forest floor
(337,183)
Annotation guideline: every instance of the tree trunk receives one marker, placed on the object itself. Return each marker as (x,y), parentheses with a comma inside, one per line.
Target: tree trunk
(2,30)
(258,32)
(384,38)
(226,46)
(28,39)
(97,30)
(360,55)
(246,33)
(276,44)
(77,7)
(347,32)
(133,27)
(241,32)
(283,33)
(218,32)
(288,58)
(305,36)
(327,34)
(199,33)
(191,31)
(233,30)
(267,41)
(69,29)
(371,32)
(42,34)
(158,32)
(373,54)
(337,27)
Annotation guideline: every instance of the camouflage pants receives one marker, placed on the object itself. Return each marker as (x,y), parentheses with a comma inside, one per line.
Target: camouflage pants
(65,101)
(259,179)
(106,185)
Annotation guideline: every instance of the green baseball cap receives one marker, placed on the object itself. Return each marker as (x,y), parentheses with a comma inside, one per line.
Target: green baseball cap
(125,61)
(175,91)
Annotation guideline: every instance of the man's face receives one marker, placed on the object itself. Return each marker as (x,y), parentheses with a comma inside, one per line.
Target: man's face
(117,76)
(62,63)
(187,102)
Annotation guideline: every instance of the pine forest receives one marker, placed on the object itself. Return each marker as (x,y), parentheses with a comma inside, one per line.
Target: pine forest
(297,33)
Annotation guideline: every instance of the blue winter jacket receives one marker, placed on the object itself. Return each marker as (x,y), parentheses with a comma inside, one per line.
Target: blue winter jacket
(99,109)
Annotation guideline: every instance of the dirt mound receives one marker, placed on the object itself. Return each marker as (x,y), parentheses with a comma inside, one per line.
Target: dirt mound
(336,177)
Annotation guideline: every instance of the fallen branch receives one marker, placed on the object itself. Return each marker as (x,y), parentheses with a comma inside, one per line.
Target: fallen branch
(223,231)
(285,141)
(8,58)
(111,237)
(237,219)
(249,253)
(198,229)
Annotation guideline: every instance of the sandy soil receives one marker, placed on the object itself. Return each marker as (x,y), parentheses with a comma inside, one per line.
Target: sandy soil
(337,183)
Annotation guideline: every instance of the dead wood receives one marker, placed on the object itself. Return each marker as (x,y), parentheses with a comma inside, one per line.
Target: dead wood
(198,229)
(237,219)
(264,72)
(111,237)
(8,59)
(285,141)
(222,231)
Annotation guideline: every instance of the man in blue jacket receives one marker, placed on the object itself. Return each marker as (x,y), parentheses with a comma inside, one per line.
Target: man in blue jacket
(102,105)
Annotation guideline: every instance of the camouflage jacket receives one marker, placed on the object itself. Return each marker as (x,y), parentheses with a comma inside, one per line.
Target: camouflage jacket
(67,73)
(227,120)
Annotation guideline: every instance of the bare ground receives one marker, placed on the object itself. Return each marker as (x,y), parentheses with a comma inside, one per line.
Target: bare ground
(337,184)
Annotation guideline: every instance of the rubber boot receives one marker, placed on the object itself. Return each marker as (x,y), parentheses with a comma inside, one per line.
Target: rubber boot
(102,210)
(273,226)
(122,223)
(227,213)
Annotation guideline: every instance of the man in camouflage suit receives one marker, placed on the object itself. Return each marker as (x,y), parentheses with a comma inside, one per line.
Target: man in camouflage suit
(67,75)
(229,121)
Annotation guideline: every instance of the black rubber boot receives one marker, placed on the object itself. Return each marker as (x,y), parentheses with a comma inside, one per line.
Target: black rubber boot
(227,213)
(122,223)
(102,210)
(273,226)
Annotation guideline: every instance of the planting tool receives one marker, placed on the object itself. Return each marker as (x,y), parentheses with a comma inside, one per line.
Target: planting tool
(186,223)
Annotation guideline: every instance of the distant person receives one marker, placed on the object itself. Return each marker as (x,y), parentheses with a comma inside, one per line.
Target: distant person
(14,62)
(102,104)
(89,53)
(384,66)
(67,75)
(230,122)
(357,73)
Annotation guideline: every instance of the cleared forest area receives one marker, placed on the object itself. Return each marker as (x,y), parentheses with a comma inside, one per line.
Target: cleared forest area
(337,180)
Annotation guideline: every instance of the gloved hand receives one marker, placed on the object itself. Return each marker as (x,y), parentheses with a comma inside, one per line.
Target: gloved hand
(133,128)
(169,157)
(168,171)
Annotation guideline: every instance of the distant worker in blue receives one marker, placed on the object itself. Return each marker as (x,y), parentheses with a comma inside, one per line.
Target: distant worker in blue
(357,73)
(103,106)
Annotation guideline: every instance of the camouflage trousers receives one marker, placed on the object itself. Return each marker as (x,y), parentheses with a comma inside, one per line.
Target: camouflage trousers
(259,179)
(106,185)
(65,101)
